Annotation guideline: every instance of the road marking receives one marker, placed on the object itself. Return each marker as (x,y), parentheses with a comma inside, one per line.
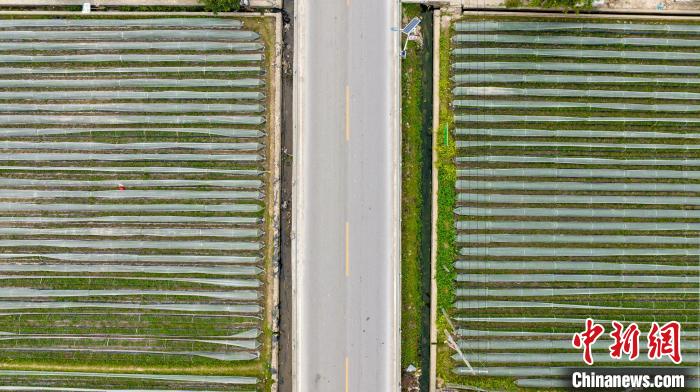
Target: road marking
(347,249)
(347,113)
(347,373)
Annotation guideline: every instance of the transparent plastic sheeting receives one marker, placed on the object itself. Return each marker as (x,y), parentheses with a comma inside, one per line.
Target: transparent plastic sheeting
(247,220)
(144,70)
(131,232)
(132,58)
(20,182)
(579,212)
(123,244)
(128,35)
(538,278)
(527,358)
(92,146)
(574,186)
(527,143)
(235,295)
(130,194)
(562,384)
(577,133)
(130,119)
(526,320)
(588,119)
(570,266)
(139,83)
(130,157)
(179,46)
(575,225)
(581,173)
(538,335)
(523,371)
(550,292)
(151,22)
(563,79)
(575,239)
(110,268)
(235,356)
(554,92)
(135,169)
(566,40)
(17,388)
(480,103)
(22,305)
(577,67)
(134,258)
(522,304)
(584,161)
(229,283)
(483,26)
(239,207)
(132,107)
(226,132)
(135,376)
(605,54)
(575,199)
(125,95)
(575,252)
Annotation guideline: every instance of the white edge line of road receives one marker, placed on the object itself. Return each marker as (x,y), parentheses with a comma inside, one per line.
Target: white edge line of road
(297,188)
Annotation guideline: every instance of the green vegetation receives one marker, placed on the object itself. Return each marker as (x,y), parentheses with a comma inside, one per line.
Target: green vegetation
(216,6)
(412,204)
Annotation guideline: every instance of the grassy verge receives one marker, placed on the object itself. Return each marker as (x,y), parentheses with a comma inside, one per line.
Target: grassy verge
(412,200)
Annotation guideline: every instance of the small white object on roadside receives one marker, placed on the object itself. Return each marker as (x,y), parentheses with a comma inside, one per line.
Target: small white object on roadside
(86,8)
(411,369)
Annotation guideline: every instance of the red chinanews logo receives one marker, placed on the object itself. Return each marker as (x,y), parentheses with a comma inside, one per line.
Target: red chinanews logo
(662,341)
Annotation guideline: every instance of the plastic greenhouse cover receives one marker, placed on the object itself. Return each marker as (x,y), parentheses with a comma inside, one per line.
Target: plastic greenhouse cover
(123,244)
(576,53)
(120,45)
(565,40)
(528,358)
(237,295)
(556,292)
(127,119)
(132,258)
(228,132)
(82,71)
(128,35)
(558,383)
(579,212)
(20,182)
(564,79)
(140,83)
(238,207)
(151,22)
(110,268)
(17,388)
(12,145)
(579,67)
(229,283)
(533,320)
(577,239)
(132,107)
(570,266)
(10,305)
(136,376)
(129,157)
(574,199)
(128,58)
(131,218)
(588,119)
(130,194)
(585,161)
(123,95)
(572,133)
(536,278)
(576,186)
(623,145)
(560,335)
(564,105)
(575,225)
(523,304)
(575,252)
(519,371)
(136,169)
(552,92)
(577,27)
(129,232)
(235,356)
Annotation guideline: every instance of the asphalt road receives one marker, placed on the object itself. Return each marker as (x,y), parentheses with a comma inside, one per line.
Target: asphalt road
(346,196)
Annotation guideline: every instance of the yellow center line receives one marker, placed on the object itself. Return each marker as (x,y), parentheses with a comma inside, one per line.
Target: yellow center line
(347,373)
(347,113)
(347,249)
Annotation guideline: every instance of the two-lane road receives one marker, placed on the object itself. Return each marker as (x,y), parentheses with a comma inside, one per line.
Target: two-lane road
(346,196)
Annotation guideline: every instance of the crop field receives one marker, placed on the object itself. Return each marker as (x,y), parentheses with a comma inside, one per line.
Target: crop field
(135,203)
(576,177)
